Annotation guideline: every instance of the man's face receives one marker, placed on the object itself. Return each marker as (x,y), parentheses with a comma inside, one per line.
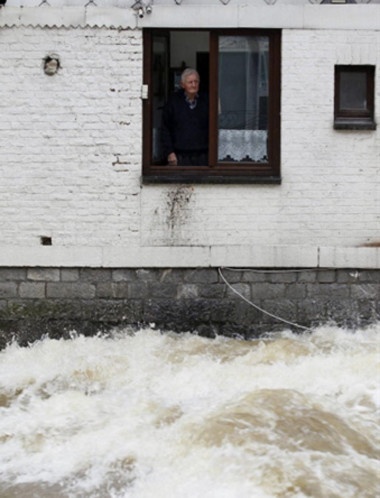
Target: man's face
(191,85)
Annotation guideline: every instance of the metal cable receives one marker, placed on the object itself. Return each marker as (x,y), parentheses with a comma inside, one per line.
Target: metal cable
(258,307)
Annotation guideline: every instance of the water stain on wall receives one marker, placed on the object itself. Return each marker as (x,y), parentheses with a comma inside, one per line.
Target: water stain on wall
(178,204)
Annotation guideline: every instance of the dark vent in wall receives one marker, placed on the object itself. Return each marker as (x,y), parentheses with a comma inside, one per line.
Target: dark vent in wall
(46,241)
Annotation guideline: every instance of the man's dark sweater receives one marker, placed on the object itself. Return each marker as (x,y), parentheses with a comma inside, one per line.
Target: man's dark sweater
(185,129)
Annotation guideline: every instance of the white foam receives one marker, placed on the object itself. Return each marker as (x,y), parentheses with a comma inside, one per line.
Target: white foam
(147,414)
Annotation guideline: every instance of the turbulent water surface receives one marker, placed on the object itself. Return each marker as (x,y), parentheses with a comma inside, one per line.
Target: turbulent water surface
(161,415)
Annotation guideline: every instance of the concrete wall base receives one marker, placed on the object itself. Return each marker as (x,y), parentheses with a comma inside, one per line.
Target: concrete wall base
(57,301)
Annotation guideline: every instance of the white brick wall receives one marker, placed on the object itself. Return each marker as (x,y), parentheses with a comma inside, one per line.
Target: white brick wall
(70,159)
(331,188)
(330,192)
(70,143)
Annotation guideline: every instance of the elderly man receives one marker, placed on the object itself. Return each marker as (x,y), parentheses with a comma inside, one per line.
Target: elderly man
(185,124)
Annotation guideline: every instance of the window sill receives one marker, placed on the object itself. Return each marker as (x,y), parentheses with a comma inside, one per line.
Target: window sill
(211,179)
(354,124)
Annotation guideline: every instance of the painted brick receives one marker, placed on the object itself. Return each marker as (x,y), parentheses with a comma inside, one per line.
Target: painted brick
(82,143)
(70,132)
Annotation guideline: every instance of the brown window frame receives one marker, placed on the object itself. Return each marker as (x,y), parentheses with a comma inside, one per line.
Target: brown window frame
(355,119)
(214,172)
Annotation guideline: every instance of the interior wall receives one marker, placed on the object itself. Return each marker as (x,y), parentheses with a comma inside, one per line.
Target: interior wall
(185,45)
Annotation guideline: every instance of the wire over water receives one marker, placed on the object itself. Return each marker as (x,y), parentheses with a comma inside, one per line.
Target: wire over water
(258,307)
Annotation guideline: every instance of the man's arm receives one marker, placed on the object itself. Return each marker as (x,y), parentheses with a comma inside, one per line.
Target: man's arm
(172,159)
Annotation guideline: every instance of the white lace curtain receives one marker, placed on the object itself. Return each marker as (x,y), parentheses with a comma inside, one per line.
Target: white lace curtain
(239,145)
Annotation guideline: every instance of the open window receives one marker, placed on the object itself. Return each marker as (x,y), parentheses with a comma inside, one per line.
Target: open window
(354,98)
(240,70)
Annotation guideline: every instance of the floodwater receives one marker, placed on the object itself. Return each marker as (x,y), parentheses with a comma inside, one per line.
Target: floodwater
(160,415)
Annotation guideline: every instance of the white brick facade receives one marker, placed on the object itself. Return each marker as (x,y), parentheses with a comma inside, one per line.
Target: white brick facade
(70,162)
(71,144)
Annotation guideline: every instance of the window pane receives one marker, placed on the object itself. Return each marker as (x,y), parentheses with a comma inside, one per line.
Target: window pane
(243,98)
(353,90)
(160,92)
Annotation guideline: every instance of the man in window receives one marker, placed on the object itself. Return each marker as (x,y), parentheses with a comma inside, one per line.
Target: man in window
(185,124)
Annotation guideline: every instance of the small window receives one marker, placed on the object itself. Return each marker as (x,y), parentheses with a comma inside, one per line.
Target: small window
(354,98)
(240,75)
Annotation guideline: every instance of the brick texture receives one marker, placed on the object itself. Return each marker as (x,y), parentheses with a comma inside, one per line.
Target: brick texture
(64,137)
(70,160)
(184,300)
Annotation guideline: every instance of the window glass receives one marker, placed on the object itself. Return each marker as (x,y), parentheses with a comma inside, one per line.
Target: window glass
(160,81)
(354,105)
(239,92)
(353,90)
(243,98)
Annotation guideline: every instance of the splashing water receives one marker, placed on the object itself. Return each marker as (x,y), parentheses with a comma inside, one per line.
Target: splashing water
(160,415)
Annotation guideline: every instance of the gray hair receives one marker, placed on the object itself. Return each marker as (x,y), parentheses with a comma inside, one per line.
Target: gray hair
(187,72)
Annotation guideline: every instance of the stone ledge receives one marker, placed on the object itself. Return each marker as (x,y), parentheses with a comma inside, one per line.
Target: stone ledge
(196,257)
